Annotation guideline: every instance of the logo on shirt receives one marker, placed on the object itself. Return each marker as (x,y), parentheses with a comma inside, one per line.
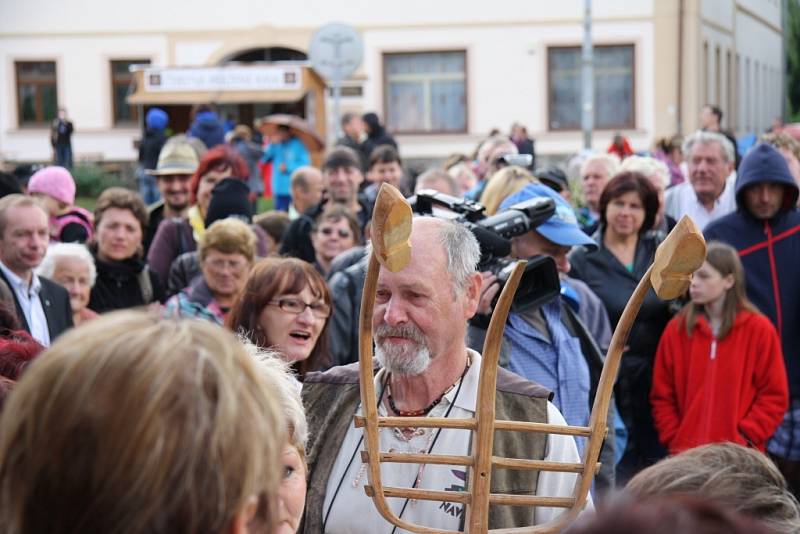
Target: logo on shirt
(453,509)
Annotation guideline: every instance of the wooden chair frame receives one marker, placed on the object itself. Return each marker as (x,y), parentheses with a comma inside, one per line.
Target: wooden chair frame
(676,258)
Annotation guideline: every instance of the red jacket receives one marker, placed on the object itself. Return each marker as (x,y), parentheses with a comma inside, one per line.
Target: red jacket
(708,391)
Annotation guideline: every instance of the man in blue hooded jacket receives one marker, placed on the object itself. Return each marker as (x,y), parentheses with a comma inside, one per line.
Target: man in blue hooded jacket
(765,229)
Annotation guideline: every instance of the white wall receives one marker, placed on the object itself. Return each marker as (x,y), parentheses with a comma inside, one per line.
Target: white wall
(762,92)
(83,77)
(83,16)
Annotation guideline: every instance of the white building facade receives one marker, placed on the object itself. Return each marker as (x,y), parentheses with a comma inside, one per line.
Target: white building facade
(441,74)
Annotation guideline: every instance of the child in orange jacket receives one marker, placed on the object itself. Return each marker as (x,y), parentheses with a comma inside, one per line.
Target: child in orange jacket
(719,373)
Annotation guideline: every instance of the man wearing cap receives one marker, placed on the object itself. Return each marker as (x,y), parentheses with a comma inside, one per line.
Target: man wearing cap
(765,229)
(177,162)
(556,179)
(551,344)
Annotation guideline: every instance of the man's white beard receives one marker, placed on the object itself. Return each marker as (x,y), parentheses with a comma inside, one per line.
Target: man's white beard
(402,359)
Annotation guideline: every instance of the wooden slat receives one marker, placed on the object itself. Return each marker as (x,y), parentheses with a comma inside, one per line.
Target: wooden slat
(526,426)
(531,500)
(459,497)
(514,463)
(418,422)
(414,458)
(469,424)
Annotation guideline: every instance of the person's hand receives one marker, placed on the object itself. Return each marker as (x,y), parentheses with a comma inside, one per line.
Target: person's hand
(489,290)
(282,167)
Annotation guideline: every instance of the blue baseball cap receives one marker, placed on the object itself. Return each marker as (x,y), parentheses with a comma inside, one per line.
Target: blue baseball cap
(562,227)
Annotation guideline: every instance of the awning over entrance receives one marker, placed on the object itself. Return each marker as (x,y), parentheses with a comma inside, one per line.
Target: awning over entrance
(224,85)
(233,84)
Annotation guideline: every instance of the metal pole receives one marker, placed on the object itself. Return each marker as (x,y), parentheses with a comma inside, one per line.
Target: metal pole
(587,122)
(337,122)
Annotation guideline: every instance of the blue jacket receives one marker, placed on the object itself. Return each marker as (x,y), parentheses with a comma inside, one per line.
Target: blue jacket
(770,251)
(292,153)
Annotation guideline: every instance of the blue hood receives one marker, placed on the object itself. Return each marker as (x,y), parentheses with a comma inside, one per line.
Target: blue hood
(764,164)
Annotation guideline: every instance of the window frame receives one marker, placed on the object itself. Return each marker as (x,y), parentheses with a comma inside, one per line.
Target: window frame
(385,79)
(115,123)
(615,127)
(39,105)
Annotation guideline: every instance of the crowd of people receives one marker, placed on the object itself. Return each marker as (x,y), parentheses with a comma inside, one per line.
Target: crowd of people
(153,353)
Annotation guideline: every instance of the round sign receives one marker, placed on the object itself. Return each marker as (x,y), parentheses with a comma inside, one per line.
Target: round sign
(336,51)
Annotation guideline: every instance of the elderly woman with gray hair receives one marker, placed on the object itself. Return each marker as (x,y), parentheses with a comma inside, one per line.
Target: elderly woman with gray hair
(294,471)
(72,266)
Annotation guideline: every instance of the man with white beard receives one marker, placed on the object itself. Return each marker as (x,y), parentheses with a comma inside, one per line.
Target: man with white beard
(425,369)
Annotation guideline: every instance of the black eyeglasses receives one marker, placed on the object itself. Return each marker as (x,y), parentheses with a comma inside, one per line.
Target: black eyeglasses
(296,306)
(344,234)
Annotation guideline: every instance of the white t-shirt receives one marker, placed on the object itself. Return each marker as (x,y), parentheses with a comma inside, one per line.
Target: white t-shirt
(354,513)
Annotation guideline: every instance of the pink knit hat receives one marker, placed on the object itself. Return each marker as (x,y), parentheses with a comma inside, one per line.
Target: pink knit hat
(54,181)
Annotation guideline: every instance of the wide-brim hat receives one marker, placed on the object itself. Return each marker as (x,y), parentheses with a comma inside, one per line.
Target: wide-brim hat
(176,158)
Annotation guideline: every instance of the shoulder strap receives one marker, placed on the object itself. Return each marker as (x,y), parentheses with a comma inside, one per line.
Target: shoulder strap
(145,284)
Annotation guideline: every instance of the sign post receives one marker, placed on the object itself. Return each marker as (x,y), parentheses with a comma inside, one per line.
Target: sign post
(336,52)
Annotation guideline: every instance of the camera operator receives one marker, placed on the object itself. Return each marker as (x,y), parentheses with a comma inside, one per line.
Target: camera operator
(551,344)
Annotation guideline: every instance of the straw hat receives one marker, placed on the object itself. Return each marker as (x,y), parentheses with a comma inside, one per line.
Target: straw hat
(175,158)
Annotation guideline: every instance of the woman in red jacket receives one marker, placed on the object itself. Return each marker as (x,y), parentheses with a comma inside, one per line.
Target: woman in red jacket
(719,372)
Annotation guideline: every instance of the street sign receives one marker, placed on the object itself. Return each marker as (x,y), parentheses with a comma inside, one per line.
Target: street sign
(336,51)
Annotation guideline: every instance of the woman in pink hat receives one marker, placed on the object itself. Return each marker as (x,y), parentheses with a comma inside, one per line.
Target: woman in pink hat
(56,188)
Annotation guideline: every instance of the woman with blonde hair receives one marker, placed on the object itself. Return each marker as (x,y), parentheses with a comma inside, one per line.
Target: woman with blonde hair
(719,373)
(226,252)
(144,425)
(502,185)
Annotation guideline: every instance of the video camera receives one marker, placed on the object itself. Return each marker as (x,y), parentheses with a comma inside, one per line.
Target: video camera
(540,282)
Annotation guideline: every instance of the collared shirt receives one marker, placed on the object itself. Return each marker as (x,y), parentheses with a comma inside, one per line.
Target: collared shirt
(29,302)
(554,360)
(682,200)
(354,513)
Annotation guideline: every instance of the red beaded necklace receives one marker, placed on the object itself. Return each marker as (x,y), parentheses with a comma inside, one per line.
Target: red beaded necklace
(426,410)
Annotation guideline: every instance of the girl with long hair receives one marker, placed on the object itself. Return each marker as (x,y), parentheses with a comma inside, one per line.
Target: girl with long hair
(719,373)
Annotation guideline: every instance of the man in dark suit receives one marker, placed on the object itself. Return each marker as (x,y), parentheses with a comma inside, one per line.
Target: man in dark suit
(42,306)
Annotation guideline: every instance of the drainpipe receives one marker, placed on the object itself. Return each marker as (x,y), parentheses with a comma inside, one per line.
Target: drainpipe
(680,67)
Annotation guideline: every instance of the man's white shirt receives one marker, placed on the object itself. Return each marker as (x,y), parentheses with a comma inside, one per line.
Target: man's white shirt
(681,200)
(31,304)
(354,513)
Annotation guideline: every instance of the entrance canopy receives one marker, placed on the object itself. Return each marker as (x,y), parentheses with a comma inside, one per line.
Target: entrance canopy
(283,82)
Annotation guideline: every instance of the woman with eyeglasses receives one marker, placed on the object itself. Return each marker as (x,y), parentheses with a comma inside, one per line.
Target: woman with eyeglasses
(335,231)
(285,305)
(226,253)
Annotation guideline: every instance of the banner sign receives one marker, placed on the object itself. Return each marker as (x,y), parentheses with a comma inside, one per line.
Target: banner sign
(235,78)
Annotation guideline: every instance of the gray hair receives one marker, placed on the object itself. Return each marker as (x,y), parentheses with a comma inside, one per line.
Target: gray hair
(286,388)
(73,251)
(743,479)
(460,246)
(609,161)
(647,166)
(704,138)
(462,250)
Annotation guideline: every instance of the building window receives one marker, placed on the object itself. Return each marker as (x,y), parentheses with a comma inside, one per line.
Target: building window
(613,87)
(121,78)
(425,92)
(37,95)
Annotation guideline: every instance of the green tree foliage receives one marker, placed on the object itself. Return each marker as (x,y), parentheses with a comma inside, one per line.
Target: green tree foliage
(792,29)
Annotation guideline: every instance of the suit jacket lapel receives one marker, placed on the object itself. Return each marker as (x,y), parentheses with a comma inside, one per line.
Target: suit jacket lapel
(20,315)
